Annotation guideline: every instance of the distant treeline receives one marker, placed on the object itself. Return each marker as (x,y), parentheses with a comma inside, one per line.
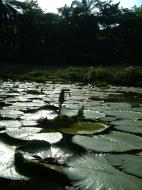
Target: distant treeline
(89,32)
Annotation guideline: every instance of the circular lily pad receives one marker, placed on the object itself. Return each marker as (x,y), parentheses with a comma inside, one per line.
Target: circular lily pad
(32,133)
(128,125)
(128,163)
(23,132)
(49,114)
(10,124)
(39,158)
(88,114)
(93,172)
(7,166)
(91,114)
(84,128)
(130,115)
(10,114)
(113,142)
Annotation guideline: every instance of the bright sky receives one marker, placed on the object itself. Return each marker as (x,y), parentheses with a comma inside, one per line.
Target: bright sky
(52,5)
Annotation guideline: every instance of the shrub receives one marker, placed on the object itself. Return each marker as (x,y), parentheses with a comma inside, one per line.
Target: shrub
(129,77)
(99,74)
(72,74)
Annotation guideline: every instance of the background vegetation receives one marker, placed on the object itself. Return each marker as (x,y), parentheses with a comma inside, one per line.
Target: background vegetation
(89,32)
(100,76)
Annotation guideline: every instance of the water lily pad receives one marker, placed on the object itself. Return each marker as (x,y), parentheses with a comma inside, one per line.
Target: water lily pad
(28,105)
(10,123)
(88,114)
(60,121)
(68,112)
(29,123)
(31,133)
(7,167)
(128,125)
(40,159)
(10,94)
(125,115)
(91,114)
(114,107)
(84,128)
(42,150)
(23,132)
(94,172)
(108,119)
(52,138)
(113,142)
(49,114)
(128,163)
(10,114)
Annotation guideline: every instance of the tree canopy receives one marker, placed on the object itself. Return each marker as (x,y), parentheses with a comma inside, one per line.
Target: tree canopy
(89,32)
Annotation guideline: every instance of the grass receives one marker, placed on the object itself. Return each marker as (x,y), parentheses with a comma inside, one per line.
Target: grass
(99,76)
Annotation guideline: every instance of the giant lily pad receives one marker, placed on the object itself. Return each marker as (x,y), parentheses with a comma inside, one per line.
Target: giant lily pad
(84,128)
(10,123)
(114,107)
(9,114)
(39,158)
(49,114)
(29,123)
(125,115)
(23,132)
(44,151)
(128,163)
(7,167)
(28,105)
(59,121)
(93,172)
(128,125)
(88,114)
(113,142)
(31,133)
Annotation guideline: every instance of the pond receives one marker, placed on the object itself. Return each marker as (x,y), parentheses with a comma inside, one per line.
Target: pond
(95,143)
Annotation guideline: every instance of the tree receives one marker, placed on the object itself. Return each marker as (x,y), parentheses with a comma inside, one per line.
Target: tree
(7,10)
(85,7)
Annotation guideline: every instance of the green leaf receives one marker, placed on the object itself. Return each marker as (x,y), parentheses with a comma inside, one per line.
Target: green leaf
(40,159)
(7,167)
(28,106)
(91,114)
(127,115)
(88,114)
(93,172)
(31,133)
(23,132)
(128,125)
(128,163)
(45,150)
(10,123)
(10,114)
(41,114)
(84,128)
(113,142)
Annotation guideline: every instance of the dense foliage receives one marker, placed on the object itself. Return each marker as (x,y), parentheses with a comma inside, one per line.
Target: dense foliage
(89,32)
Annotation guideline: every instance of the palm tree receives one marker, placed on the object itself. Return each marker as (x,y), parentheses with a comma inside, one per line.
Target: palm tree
(85,7)
(7,10)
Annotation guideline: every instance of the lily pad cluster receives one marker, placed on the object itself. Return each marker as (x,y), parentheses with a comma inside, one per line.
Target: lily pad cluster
(46,143)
